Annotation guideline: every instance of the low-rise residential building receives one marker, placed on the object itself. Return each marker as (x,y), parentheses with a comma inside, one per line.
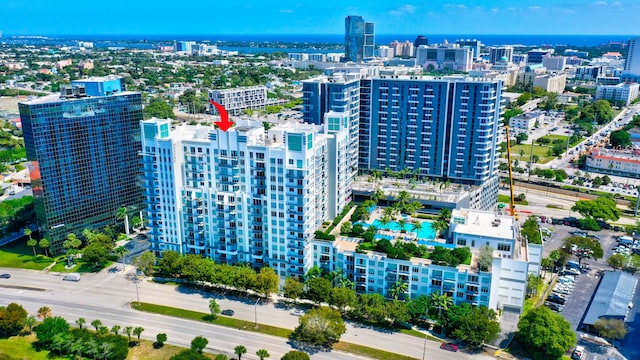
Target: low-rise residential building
(525,122)
(614,162)
(620,94)
(237,100)
(502,287)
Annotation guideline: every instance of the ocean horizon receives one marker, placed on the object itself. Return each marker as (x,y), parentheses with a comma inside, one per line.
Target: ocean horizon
(380,39)
(262,43)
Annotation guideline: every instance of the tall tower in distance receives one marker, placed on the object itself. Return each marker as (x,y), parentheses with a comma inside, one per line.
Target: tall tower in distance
(83,146)
(359,41)
(632,63)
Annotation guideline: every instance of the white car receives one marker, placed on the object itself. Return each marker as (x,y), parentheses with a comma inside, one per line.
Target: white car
(297,312)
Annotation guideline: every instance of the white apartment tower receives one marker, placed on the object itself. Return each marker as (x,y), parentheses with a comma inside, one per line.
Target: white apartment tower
(241,196)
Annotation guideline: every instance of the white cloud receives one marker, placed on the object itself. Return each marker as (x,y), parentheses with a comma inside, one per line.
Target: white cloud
(534,8)
(403,10)
(286,11)
(495,10)
(600,3)
(461,6)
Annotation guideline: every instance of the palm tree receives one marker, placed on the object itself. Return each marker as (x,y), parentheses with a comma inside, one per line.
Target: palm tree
(115,329)
(123,215)
(402,200)
(32,243)
(120,252)
(439,226)
(262,354)
(44,243)
(44,312)
(128,330)
(137,332)
(417,227)
(442,302)
(385,220)
(398,289)
(377,196)
(80,322)
(29,322)
(96,324)
(402,223)
(240,350)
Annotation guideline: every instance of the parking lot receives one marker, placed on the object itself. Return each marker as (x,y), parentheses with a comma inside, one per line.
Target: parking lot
(581,293)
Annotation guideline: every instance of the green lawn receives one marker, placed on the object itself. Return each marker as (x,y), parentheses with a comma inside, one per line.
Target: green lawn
(19,348)
(507,200)
(540,151)
(206,317)
(369,352)
(18,255)
(265,329)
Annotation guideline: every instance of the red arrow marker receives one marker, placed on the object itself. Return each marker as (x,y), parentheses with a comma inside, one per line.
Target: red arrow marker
(224,124)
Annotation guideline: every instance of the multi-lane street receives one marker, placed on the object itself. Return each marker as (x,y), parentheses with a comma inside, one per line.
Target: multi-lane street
(106,296)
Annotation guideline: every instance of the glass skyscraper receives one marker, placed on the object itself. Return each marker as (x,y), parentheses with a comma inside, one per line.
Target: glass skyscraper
(359,40)
(84,149)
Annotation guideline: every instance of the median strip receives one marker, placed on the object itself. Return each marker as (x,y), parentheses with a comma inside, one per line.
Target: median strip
(260,328)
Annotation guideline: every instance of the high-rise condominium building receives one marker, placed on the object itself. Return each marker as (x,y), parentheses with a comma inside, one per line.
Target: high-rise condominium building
(359,42)
(244,196)
(441,127)
(83,146)
(339,93)
(632,64)
(473,44)
(500,54)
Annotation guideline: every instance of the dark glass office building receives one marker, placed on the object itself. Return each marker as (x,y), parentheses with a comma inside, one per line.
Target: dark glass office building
(359,42)
(83,146)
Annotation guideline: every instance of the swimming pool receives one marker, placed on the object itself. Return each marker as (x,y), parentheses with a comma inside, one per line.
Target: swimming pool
(426,232)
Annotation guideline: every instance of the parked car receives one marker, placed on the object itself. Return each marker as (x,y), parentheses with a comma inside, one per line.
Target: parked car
(227,312)
(553,306)
(579,353)
(5,276)
(450,347)
(556,299)
(297,312)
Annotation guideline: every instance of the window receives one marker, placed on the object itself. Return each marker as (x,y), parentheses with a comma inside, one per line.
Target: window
(504,247)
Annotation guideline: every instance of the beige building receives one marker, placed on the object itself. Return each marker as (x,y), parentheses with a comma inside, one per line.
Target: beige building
(551,82)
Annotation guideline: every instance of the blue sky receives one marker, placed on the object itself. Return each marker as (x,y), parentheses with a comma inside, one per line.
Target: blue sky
(34,17)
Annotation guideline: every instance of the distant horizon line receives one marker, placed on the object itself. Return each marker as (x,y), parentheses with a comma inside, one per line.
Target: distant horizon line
(312,34)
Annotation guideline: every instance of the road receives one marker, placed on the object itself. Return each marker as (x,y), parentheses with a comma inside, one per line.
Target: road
(106,296)
(622,119)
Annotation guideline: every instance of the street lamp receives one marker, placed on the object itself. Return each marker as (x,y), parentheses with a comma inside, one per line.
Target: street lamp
(255,306)
(137,281)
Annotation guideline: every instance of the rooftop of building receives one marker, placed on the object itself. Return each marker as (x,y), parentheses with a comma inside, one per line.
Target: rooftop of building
(57,98)
(615,155)
(613,297)
(484,223)
(254,129)
(99,79)
(421,190)
(340,78)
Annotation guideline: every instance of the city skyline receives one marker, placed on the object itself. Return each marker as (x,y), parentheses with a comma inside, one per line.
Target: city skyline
(327,17)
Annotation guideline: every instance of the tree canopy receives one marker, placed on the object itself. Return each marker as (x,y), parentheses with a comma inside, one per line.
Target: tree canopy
(531,230)
(321,326)
(620,138)
(545,334)
(586,247)
(160,109)
(12,319)
(603,208)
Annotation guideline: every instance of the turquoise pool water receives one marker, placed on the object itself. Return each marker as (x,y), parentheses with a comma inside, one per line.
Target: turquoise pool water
(426,232)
